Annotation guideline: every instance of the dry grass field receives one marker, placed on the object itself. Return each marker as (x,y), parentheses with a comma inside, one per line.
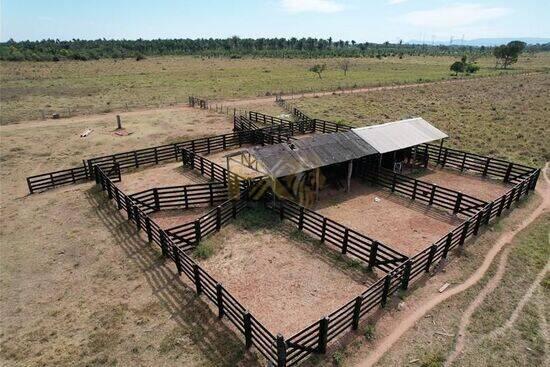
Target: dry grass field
(503,117)
(76,87)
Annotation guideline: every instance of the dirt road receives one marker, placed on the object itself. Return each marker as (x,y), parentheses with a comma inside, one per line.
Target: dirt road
(384,344)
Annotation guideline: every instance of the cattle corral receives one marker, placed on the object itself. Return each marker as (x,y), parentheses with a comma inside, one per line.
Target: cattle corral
(439,218)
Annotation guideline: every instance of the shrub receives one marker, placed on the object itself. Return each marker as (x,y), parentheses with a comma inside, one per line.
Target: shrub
(369,332)
(204,250)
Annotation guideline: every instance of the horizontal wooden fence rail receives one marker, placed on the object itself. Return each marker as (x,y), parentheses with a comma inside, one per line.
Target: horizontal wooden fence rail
(486,166)
(253,332)
(58,178)
(347,240)
(424,192)
(180,197)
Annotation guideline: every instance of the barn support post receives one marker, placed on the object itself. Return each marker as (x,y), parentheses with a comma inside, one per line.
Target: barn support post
(440,150)
(317,184)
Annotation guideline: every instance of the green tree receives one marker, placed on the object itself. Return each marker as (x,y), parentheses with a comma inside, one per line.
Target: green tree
(507,55)
(457,67)
(318,69)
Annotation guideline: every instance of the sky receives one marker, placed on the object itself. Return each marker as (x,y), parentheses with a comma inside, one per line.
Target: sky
(366,20)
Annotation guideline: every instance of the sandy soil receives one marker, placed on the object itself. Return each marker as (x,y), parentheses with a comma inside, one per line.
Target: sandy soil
(405,225)
(285,283)
(170,174)
(476,186)
(167,219)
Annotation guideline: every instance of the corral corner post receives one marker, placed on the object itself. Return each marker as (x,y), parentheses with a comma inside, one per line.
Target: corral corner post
(281,350)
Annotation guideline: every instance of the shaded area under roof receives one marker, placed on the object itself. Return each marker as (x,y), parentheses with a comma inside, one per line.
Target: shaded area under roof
(312,152)
(399,134)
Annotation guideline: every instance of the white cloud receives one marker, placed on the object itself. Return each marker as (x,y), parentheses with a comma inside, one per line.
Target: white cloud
(317,6)
(454,15)
(394,2)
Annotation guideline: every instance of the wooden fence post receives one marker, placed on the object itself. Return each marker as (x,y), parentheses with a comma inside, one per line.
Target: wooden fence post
(501,205)
(385,291)
(163,243)
(372,255)
(447,245)
(148,228)
(509,204)
(463,162)
(345,242)
(406,275)
(128,207)
(219,300)
(323,333)
(247,330)
(486,168)
(324,229)
(520,189)
(489,211)
(137,218)
(197,231)
(457,203)
(464,234)
(157,200)
(281,351)
(431,255)
(177,259)
(445,157)
(478,222)
(281,210)
(508,171)
(197,276)
(117,199)
(415,186)
(301,219)
(356,312)
(432,194)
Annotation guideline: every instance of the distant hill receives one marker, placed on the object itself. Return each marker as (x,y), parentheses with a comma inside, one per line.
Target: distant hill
(484,41)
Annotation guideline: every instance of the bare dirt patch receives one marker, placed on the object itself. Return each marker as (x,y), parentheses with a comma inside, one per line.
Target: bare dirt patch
(167,219)
(405,225)
(474,185)
(170,174)
(284,278)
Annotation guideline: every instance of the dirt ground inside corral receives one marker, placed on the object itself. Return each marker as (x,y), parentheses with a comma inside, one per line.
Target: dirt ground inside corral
(167,219)
(170,174)
(286,282)
(468,183)
(405,225)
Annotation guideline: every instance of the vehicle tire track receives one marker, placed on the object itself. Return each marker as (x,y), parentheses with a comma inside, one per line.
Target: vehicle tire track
(387,342)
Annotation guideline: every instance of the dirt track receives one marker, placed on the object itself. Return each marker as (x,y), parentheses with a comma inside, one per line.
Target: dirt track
(384,344)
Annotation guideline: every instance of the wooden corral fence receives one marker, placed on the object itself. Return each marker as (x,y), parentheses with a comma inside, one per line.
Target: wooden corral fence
(143,158)
(346,240)
(424,192)
(180,197)
(253,332)
(197,102)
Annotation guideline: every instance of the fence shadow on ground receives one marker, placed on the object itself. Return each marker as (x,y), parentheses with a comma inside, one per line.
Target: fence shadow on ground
(215,340)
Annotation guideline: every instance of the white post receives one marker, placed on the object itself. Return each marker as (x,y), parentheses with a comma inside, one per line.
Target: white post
(350,168)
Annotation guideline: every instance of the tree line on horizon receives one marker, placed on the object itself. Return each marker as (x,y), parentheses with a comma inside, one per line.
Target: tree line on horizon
(233,47)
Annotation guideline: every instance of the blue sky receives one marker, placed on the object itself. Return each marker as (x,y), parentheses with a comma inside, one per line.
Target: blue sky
(367,20)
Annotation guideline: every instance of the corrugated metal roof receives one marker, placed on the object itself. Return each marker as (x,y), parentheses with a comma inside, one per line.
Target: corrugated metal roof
(309,153)
(399,134)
